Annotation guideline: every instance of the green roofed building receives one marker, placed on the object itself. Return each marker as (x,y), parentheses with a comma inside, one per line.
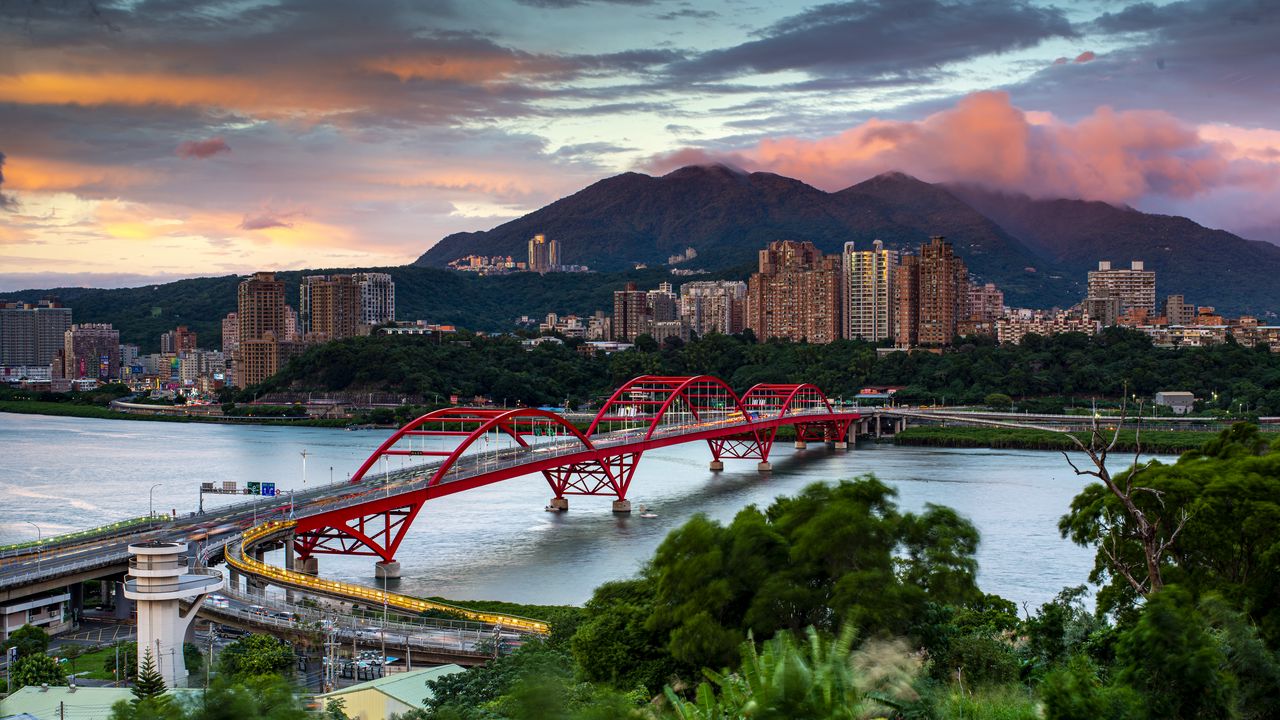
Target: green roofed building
(391,695)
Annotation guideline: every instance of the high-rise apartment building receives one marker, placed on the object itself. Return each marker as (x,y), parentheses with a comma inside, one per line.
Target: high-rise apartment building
(986,302)
(664,305)
(631,316)
(714,306)
(1135,286)
(230,334)
(263,319)
(329,307)
(868,291)
(795,294)
(31,334)
(544,254)
(906,302)
(377,298)
(177,341)
(91,350)
(1179,312)
(943,292)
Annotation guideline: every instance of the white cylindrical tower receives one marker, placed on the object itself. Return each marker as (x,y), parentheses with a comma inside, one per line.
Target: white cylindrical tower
(158,579)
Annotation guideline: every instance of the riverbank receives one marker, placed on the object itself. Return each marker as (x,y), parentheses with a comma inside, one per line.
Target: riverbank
(1169,442)
(36,407)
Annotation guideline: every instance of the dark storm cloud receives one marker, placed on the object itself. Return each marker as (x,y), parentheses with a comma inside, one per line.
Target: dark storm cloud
(4,201)
(689,14)
(201,149)
(561,4)
(870,38)
(1205,61)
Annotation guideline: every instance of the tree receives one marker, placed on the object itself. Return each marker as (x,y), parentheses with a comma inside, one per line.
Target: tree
(256,655)
(1128,523)
(998,401)
(36,670)
(29,639)
(1171,657)
(150,684)
(127,654)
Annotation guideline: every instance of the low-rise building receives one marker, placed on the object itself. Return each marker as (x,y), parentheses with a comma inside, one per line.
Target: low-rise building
(388,696)
(1180,401)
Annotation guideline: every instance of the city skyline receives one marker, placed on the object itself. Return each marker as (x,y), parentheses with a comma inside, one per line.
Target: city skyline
(146,142)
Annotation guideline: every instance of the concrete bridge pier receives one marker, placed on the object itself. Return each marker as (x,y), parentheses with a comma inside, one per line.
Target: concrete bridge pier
(559,504)
(310,565)
(801,445)
(717,466)
(621,507)
(233,579)
(841,444)
(386,569)
(764,466)
(290,562)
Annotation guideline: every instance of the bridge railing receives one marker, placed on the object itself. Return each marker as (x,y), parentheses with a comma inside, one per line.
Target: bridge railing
(470,465)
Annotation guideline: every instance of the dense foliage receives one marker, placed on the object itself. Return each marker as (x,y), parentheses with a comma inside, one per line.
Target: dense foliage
(1070,368)
(268,697)
(256,654)
(36,670)
(1226,497)
(29,639)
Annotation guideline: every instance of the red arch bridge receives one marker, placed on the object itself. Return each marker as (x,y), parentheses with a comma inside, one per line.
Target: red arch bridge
(649,412)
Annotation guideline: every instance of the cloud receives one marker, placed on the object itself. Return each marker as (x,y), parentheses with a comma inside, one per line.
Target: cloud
(1085,57)
(265,221)
(869,39)
(201,149)
(1117,157)
(4,201)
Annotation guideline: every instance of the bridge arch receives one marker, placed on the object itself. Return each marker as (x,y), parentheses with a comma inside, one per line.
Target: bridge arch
(651,397)
(471,424)
(380,526)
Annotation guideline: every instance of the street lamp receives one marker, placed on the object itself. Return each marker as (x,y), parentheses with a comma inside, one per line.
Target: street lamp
(151,507)
(304,468)
(39,542)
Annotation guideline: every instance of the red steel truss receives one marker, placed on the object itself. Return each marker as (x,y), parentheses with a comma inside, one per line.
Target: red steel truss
(647,412)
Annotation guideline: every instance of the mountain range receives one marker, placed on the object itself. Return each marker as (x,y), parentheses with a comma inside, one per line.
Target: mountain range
(1037,251)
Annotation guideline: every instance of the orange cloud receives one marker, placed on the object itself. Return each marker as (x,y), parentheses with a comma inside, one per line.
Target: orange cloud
(258,95)
(37,174)
(1108,155)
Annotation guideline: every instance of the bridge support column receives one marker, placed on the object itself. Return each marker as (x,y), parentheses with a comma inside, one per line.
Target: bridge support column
(559,504)
(253,586)
(310,565)
(764,466)
(717,466)
(290,563)
(841,445)
(385,570)
(233,579)
(123,606)
(621,507)
(801,445)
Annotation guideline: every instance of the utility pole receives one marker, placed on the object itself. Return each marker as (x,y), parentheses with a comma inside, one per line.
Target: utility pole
(304,468)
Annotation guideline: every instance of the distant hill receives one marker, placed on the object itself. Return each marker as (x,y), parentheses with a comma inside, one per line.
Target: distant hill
(728,216)
(1038,251)
(1209,267)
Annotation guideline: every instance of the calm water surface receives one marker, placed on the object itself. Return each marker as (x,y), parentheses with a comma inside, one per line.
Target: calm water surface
(497,542)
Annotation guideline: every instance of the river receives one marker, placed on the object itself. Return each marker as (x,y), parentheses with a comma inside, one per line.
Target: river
(497,542)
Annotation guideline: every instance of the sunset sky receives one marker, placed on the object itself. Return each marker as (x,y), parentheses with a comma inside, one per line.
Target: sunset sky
(154,139)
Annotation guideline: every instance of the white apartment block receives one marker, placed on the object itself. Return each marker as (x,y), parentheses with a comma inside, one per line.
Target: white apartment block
(868,292)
